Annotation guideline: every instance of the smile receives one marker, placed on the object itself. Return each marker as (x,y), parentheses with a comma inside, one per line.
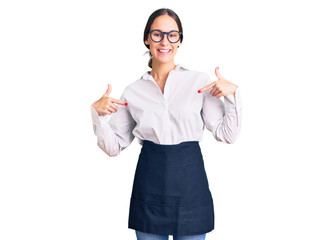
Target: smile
(164,50)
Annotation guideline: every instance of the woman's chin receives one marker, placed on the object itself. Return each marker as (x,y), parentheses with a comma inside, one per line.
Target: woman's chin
(163,60)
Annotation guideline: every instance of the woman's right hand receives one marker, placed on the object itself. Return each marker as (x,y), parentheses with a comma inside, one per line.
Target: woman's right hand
(106,105)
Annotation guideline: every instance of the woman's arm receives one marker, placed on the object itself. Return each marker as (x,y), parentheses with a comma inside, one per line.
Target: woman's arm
(223,119)
(113,135)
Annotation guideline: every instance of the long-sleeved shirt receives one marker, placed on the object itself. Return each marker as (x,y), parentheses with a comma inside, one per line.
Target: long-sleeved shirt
(177,115)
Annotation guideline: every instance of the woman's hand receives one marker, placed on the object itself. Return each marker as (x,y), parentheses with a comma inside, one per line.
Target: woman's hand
(105,105)
(221,87)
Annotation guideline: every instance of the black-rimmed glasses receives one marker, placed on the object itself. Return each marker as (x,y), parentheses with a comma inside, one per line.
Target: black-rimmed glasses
(157,36)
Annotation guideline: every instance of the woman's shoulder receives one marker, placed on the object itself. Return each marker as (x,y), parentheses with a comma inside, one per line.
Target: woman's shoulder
(193,74)
(138,84)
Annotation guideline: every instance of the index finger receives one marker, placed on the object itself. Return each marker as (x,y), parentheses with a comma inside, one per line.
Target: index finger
(114,100)
(207,87)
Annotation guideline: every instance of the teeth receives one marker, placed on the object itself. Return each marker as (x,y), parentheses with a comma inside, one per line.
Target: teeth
(164,51)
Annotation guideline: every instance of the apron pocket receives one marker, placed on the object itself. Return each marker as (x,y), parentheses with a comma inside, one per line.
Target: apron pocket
(154,217)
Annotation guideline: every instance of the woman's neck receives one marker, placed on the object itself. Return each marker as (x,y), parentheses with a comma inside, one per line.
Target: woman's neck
(160,72)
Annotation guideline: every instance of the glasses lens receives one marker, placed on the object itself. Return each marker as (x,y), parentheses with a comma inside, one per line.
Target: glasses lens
(174,36)
(156,36)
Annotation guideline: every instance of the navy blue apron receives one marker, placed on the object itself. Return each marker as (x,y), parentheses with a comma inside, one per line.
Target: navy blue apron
(170,194)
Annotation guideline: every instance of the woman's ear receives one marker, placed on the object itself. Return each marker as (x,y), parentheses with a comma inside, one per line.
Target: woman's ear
(146,42)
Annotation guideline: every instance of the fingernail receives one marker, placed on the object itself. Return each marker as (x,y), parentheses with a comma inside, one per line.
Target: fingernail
(199,91)
(218,68)
(126,103)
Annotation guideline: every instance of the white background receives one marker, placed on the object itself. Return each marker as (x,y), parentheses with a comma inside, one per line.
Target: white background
(57,57)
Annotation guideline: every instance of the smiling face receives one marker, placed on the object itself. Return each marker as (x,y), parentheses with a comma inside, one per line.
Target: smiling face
(163,51)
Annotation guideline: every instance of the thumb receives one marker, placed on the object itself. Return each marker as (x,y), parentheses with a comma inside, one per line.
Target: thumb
(107,93)
(217,73)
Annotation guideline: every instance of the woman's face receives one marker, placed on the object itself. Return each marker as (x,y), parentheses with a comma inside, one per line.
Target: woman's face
(163,51)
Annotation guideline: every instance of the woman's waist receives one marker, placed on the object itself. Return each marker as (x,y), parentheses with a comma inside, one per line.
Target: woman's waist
(185,145)
(168,138)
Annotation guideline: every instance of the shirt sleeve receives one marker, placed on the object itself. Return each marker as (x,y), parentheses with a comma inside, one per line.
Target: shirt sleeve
(222,118)
(115,134)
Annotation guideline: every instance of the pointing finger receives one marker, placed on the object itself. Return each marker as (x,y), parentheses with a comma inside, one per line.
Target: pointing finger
(207,87)
(118,101)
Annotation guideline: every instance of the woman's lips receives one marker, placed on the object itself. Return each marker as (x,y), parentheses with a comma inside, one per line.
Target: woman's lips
(164,51)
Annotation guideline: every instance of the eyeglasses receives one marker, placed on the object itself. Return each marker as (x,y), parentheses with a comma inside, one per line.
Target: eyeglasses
(157,36)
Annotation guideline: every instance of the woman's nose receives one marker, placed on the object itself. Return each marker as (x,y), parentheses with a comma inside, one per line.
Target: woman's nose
(165,40)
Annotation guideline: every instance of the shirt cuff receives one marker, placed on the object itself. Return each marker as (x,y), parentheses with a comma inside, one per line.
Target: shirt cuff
(232,102)
(99,122)
(233,105)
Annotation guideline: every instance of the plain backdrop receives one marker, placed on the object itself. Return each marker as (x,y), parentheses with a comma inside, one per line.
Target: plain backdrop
(57,58)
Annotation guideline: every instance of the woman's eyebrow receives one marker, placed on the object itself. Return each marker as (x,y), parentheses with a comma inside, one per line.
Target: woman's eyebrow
(163,31)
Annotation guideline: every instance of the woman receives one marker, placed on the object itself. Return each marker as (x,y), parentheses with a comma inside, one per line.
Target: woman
(167,109)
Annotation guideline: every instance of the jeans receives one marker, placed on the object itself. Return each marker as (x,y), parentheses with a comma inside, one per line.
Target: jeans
(149,236)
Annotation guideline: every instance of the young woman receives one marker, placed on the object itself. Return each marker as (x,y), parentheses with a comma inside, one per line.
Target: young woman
(167,109)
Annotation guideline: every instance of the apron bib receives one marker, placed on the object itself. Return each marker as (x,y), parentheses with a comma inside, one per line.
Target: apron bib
(170,192)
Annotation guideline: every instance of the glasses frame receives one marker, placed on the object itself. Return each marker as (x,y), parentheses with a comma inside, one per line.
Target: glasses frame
(163,33)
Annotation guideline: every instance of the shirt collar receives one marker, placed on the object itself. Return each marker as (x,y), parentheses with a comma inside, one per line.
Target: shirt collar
(147,76)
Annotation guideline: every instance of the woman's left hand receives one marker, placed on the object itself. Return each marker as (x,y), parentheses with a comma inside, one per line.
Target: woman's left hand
(221,87)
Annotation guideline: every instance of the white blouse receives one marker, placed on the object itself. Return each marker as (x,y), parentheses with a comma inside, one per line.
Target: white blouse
(178,115)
